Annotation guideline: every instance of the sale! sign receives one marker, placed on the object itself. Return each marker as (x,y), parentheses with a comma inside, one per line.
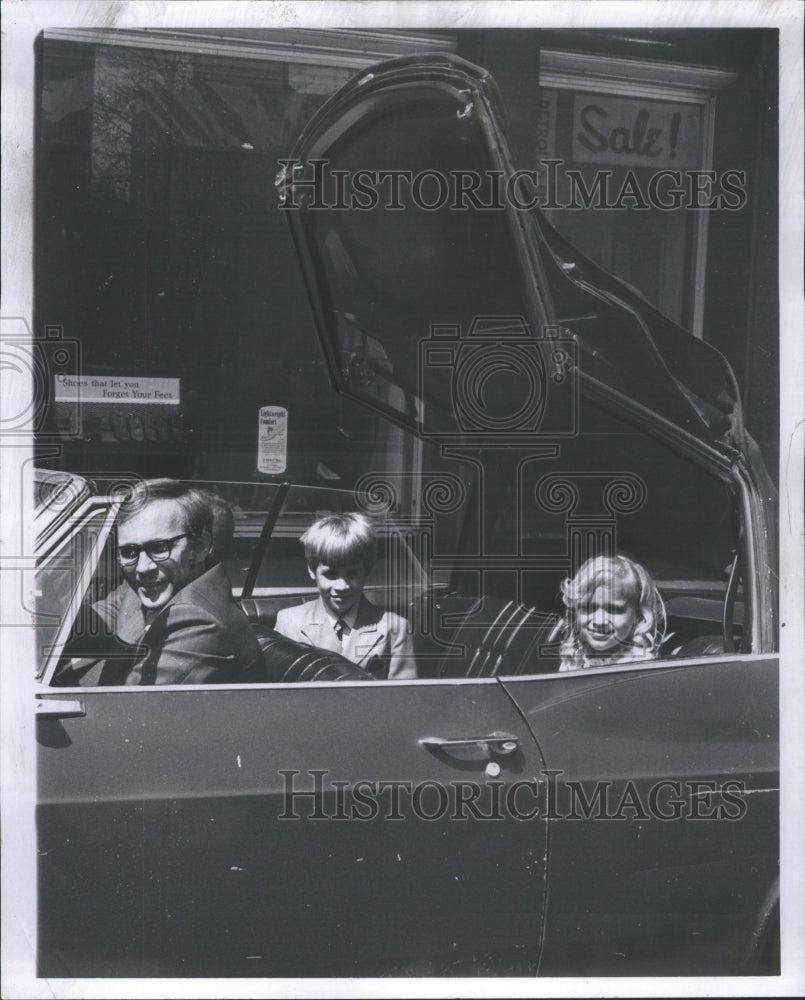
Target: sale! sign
(622,131)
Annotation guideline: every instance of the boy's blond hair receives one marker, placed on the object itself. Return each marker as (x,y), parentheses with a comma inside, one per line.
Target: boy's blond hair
(339,540)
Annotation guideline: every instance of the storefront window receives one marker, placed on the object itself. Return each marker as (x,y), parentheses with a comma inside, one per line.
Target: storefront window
(625,147)
(162,251)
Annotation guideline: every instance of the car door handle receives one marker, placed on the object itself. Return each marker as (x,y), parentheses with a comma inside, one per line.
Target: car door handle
(497,744)
(60,708)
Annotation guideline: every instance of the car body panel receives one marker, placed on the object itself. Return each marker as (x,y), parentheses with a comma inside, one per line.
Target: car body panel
(633,889)
(162,850)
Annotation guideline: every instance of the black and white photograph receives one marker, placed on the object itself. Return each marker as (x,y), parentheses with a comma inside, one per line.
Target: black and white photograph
(402,499)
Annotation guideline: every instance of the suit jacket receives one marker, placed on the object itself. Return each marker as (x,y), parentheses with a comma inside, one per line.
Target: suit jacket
(379,641)
(200,637)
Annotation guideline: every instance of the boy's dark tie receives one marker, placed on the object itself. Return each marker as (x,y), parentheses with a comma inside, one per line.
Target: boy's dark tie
(339,627)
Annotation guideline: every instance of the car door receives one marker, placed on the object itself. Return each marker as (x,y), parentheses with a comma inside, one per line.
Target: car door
(178,832)
(664,796)
(353,827)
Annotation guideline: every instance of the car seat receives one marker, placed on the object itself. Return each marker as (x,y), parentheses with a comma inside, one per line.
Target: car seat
(288,661)
(500,637)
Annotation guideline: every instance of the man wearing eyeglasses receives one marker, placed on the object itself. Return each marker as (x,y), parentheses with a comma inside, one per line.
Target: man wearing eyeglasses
(175,611)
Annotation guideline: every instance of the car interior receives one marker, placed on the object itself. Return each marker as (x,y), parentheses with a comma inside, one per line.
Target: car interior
(472,624)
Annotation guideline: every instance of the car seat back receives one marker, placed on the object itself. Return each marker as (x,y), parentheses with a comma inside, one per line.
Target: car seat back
(500,637)
(288,661)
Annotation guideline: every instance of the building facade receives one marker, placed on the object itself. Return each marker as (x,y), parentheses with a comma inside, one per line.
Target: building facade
(162,252)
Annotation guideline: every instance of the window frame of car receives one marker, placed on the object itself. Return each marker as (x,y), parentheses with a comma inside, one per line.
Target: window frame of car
(753,551)
(67,530)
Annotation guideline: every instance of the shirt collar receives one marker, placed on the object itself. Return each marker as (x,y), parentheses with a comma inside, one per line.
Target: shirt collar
(350,617)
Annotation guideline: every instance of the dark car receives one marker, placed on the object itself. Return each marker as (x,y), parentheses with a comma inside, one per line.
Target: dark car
(496,816)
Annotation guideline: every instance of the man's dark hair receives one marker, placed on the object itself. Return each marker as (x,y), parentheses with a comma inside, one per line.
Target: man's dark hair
(196,504)
(223,527)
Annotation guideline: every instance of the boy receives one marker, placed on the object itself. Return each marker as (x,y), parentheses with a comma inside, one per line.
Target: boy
(340,551)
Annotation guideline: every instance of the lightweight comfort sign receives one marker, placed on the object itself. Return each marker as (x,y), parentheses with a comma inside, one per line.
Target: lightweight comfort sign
(120,389)
(272,440)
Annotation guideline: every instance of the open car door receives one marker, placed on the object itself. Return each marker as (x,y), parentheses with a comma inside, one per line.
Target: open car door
(444,299)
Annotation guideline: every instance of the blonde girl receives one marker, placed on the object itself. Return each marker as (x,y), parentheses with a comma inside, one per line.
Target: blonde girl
(614,614)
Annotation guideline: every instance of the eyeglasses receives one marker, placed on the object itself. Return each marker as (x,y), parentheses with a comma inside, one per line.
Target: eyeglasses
(157,550)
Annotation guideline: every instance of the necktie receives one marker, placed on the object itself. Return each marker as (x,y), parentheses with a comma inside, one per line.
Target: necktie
(339,627)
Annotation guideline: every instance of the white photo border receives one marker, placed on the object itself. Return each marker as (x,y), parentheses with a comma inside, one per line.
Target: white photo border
(22,21)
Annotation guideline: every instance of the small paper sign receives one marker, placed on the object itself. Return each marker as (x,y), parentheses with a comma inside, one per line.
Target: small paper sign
(272,440)
(118,389)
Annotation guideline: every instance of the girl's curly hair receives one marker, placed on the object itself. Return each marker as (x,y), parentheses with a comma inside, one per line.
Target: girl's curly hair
(649,632)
